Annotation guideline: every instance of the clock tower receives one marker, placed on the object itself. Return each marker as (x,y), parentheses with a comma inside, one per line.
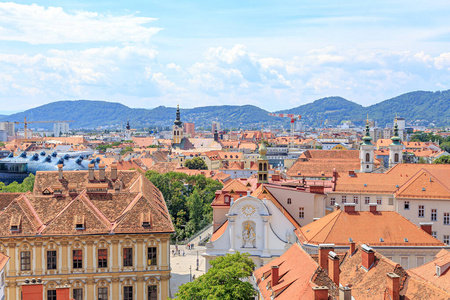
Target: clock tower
(263,165)
(177,128)
(366,152)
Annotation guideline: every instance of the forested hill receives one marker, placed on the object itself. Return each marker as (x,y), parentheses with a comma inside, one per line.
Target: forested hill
(421,107)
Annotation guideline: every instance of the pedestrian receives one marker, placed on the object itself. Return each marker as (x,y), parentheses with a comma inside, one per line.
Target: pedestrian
(183,252)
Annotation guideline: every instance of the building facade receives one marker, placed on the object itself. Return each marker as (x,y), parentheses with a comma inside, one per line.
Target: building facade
(106,234)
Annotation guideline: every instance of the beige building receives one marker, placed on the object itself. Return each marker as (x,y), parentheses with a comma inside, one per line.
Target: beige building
(106,234)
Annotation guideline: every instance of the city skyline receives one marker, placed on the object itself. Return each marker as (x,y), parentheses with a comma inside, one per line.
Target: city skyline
(275,56)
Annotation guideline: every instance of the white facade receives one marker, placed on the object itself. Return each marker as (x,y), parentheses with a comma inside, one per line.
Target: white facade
(254,226)
(366,156)
(60,128)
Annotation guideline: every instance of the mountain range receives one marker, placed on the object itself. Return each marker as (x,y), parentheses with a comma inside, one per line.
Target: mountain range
(420,108)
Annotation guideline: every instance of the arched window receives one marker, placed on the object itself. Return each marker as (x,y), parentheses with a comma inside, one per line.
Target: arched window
(367,157)
(396,157)
(260,167)
(265,167)
(289,201)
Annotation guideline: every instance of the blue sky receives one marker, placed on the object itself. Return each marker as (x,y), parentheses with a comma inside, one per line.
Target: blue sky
(274,54)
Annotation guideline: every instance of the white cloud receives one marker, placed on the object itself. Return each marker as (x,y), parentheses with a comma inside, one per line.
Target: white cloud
(35,24)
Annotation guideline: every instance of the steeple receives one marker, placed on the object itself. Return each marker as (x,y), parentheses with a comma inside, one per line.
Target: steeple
(395,148)
(177,119)
(367,138)
(263,165)
(128,125)
(366,152)
(395,138)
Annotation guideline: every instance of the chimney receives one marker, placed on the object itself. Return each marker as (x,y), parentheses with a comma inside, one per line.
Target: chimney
(114,171)
(320,292)
(426,227)
(60,172)
(63,292)
(352,248)
(91,172)
(367,257)
(101,172)
(345,293)
(324,249)
(349,207)
(333,267)
(32,290)
(373,207)
(275,275)
(393,286)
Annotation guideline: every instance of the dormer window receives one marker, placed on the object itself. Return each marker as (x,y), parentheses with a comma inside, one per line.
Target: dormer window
(79,223)
(146,220)
(15,222)
(227,199)
(47,191)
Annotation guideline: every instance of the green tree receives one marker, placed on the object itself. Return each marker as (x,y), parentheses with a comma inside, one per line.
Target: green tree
(445,146)
(442,160)
(126,149)
(197,163)
(224,280)
(15,187)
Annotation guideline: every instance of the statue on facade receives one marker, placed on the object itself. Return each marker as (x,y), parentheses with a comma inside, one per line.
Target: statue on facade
(249,236)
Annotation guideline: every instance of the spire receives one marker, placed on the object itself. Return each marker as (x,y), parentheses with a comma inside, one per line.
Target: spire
(178,120)
(128,125)
(395,139)
(367,138)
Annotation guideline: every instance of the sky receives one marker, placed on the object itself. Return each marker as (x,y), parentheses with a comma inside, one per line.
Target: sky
(273,54)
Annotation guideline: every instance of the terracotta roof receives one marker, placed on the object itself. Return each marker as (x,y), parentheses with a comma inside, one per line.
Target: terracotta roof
(218,233)
(427,184)
(6,198)
(164,167)
(107,210)
(365,227)
(427,272)
(3,260)
(298,274)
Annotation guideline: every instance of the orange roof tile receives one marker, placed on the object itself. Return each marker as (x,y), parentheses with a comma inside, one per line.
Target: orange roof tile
(365,227)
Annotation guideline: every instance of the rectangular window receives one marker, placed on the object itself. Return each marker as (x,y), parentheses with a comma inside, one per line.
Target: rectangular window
(447,239)
(406,205)
(355,199)
(77,256)
(333,201)
(51,260)
(391,201)
(151,256)
(77,294)
(344,199)
(366,200)
(25,260)
(380,201)
(152,292)
(102,293)
(434,214)
(446,218)
(51,294)
(404,261)
(127,257)
(420,261)
(127,293)
(102,258)
(301,212)
(421,211)
(434,234)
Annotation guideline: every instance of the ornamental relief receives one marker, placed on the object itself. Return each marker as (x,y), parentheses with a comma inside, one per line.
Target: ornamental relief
(102,244)
(151,242)
(248,235)
(248,210)
(77,284)
(25,247)
(76,245)
(127,243)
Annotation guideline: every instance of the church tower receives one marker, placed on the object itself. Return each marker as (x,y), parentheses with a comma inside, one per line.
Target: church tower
(263,165)
(366,152)
(128,131)
(177,128)
(395,148)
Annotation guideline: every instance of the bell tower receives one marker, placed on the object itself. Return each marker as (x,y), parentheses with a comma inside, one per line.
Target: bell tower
(128,131)
(366,152)
(263,165)
(395,148)
(177,128)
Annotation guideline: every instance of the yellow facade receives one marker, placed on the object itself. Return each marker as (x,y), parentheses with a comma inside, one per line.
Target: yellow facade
(142,274)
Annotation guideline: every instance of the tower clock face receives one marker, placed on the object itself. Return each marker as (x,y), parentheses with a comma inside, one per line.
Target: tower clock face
(248,210)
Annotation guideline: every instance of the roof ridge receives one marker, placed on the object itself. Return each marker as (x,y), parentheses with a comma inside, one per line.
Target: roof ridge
(96,211)
(26,213)
(126,211)
(323,227)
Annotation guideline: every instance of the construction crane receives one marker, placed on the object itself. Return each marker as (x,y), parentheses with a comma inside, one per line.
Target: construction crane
(293,119)
(30,122)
